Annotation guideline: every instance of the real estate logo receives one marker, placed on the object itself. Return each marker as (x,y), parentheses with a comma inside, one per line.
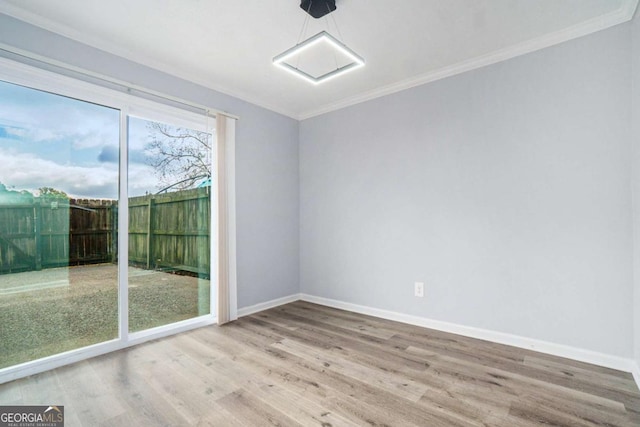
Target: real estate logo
(32,416)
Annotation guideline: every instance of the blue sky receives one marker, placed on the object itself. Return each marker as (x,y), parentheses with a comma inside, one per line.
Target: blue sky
(48,140)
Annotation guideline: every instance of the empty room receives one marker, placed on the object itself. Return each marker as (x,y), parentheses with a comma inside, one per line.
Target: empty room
(319,213)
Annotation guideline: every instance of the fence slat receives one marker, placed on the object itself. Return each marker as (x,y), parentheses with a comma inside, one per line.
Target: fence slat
(37,219)
(150,209)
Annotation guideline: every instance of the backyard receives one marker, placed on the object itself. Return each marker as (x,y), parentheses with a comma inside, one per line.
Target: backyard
(60,309)
(63,228)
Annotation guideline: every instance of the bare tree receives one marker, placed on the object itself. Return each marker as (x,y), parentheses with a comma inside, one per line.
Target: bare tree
(180,156)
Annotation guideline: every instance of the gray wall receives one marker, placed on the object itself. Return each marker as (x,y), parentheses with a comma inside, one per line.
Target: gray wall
(266,161)
(505,189)
(636,177)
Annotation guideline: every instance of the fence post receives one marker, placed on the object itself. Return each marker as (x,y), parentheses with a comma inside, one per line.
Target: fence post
(113,212)
(37,233)
(150,232)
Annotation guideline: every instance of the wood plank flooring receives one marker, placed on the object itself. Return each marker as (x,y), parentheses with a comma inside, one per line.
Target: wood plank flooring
(304,364)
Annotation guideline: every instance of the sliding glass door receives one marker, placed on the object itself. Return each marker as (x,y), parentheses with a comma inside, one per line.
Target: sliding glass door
(169,223)
(58,207)
(105,220)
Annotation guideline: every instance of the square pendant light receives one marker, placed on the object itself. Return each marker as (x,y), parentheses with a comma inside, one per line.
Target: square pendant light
(322,37)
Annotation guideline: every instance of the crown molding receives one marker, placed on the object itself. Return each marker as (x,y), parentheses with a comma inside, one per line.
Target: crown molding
(117,50)
(623,14)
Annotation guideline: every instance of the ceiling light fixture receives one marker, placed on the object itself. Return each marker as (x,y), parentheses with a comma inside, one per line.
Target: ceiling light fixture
(318,9)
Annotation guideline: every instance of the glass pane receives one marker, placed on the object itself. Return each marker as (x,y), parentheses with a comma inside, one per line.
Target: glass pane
(58,206)
(169,223)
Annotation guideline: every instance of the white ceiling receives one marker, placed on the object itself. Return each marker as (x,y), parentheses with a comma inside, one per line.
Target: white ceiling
(228,45)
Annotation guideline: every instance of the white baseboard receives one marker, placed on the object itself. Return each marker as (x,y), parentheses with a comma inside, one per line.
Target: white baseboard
(635,371)
(245,311)
(582,355)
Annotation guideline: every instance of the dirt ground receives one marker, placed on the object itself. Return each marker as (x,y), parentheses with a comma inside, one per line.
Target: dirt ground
(56,310)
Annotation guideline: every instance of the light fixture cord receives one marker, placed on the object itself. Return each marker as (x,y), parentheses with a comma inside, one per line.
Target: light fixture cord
(326,20)
(304,25)
(335,23)
(303,31)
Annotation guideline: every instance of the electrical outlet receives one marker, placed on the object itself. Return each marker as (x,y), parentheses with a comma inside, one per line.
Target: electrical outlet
(419,289)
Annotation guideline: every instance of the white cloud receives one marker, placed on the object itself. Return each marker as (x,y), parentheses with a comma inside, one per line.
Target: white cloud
(142,180)
(84,125)
(28,172)
(52,141)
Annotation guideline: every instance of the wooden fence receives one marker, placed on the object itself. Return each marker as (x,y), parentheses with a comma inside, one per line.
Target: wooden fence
(165,231)
(171,231)
(50,232)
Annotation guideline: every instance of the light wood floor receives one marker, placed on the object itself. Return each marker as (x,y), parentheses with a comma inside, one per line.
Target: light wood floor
(303,364)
